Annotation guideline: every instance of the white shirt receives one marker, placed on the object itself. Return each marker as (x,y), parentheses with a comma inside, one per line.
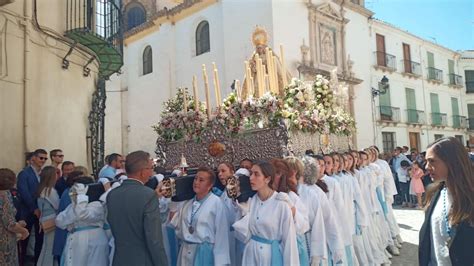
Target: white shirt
(439,234)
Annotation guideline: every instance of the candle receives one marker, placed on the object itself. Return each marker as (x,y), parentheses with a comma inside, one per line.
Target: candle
(185,101)
(267,83)
(246,89)
(283,66)
(206,86)
(269,69)
(275,76)
(253,85)
(217,85)
(196,99)
(260,76)
(237,89)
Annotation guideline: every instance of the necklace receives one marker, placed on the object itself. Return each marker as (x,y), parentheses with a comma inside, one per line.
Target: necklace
(445,214)
(268,195)
(199,204)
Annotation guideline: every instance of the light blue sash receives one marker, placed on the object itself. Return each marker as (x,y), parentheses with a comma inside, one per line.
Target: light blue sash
(277,257)
(382,201)
(349,256)
(204,255)
(170,232)
(217,191)
(302,250)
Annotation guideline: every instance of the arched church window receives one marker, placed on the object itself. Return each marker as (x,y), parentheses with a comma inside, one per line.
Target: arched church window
(135,16)
(147,60)
(203,44)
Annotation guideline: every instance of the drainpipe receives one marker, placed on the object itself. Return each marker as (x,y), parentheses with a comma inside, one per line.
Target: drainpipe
(26,26)
(424,96)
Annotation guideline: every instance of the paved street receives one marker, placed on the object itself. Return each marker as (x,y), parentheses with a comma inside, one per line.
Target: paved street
(410,221)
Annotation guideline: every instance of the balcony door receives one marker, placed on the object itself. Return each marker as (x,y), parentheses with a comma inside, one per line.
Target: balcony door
(435,113)
(470,113)
(412,114)
(381,60)
(455,109)
(407,58)
(414,140)
(386,112)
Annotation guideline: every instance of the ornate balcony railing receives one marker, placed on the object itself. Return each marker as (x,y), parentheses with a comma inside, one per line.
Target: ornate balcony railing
(439,119)
(459,121)
(435,74)
(388,114)
(411,67)
(416,117)
(455,80)
(383,59)
(96,24)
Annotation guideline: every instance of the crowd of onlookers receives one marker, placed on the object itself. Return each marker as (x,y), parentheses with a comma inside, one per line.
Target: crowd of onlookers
(45,206)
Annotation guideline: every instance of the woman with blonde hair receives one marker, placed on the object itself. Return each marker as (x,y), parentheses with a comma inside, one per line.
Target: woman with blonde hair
(48,203)
(447,235)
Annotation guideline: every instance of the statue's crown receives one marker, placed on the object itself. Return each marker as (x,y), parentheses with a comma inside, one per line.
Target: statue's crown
(259,36)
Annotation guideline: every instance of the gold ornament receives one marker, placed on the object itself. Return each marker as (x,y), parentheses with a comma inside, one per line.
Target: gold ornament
(259,36)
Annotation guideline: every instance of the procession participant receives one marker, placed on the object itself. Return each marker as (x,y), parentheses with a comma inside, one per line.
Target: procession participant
(225,170)
(286,184)
(246,163)
(48,203)
(201,224)
(334,239)
(267,227)
(86,243)
(390,190)
(447,234)
(382,231)
(316,236)
(371,239)
(360,210)
(337,191)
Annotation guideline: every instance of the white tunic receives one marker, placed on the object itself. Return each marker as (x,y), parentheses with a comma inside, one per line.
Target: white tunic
(317,241)
(333,231)
(270,219)
(232,214)
(390,189)
(210,225)
(87,247)
(335,196)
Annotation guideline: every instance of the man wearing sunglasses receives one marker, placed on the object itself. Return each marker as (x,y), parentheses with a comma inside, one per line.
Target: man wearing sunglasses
(27,184)
(57,157)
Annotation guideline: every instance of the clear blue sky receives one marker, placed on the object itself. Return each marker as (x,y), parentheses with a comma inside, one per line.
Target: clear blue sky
(449,22)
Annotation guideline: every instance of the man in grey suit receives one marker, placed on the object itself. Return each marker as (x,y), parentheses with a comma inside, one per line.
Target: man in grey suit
(134,216)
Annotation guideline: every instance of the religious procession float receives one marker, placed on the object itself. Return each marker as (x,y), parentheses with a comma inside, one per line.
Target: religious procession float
(271,115)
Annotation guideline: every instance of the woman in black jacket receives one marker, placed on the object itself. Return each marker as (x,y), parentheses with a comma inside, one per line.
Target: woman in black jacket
(447,235)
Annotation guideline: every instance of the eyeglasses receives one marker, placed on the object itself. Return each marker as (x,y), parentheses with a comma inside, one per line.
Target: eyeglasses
(43,158)
(59,155)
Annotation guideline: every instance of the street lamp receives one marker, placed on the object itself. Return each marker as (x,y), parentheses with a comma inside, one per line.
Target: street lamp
(383,87)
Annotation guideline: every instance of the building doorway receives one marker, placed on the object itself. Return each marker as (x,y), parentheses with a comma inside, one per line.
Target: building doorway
(414,140)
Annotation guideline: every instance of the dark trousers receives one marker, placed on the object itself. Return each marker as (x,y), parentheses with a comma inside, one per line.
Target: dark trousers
(30,221)
(405,191)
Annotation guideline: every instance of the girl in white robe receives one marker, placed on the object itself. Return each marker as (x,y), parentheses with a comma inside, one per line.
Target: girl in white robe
(286,183)
(201,225)
(316,237)
(87,243)
(267,227)
(336,196)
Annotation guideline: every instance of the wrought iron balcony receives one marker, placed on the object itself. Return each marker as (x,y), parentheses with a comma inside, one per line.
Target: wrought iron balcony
(385,60)
(411,67)
(388,114)
(470,125)
(435,74)
(439,119)
(469,86)
(96,24)
(455,80)
(459,121)
(416,117)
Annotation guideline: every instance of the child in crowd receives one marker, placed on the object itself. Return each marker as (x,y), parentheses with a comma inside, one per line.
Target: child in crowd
(416,184)
(404,180)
